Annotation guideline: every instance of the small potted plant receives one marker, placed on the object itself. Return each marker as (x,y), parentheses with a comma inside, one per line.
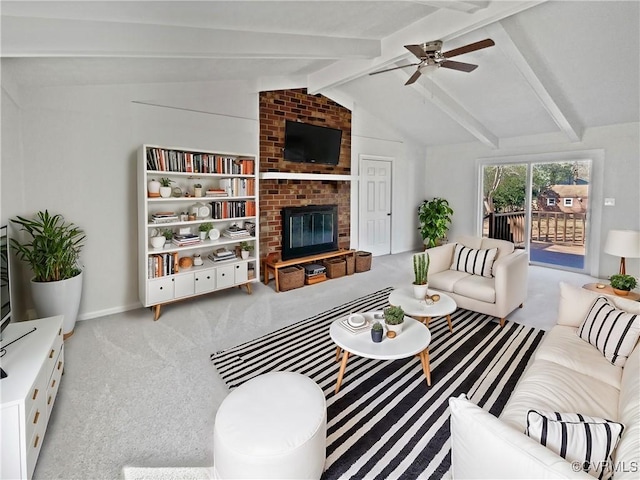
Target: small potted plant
(197,190)
(622,284)
(168,234)
(165,188)
(394,318)
(245,248)
(204,229)
(376,332)
(421,263)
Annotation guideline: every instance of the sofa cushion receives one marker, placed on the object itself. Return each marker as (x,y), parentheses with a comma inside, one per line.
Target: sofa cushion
(548,386)
(471,260)
(575,303)
(582,440)
(446,279)
(612,331)
(628,452)
(476,287)
(504,247)
(470,241)
(584,357)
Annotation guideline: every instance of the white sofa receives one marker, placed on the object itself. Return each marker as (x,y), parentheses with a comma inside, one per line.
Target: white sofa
(567,375)
(497,295)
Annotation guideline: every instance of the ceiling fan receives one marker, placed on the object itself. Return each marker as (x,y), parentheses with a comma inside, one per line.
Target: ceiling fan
(431,56)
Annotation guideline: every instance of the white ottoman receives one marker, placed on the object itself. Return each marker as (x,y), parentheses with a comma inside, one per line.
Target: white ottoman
(273,426)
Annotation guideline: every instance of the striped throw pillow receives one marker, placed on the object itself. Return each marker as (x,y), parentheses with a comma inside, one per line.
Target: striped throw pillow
(470,260)
(584,441)
(614,332)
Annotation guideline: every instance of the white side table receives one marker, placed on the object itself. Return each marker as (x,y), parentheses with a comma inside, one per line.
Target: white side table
(413,340)
(419,310)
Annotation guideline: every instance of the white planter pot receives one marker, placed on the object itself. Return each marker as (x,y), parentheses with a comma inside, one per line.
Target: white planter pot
(153,187)
(165,192)
(203,235)
(158,242)
(59,298)
(244,254)
(395,328)
(420,291)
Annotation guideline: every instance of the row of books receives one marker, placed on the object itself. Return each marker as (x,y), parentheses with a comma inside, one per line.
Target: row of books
(162,264)
(233,209)
(161,159)
(238,187)
(222,254)
(164,217)
(185,239)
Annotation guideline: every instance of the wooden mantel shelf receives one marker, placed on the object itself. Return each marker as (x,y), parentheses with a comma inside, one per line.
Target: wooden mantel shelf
(307,176)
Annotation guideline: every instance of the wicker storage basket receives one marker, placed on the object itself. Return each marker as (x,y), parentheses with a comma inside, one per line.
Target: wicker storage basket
(363,261)
(336,267)
(351,263)
(290,278)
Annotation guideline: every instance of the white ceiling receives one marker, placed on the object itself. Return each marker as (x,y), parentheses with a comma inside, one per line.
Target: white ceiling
(558,66)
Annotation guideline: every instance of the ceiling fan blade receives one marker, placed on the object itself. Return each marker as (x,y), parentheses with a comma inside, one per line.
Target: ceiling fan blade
(469,48)
(413,77)
(416,50)
(464,67)
(394,68)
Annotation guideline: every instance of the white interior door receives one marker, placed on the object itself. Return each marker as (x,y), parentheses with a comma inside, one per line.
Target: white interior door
(374,231)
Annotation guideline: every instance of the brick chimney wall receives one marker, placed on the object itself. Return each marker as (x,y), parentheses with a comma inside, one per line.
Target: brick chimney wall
(276,107)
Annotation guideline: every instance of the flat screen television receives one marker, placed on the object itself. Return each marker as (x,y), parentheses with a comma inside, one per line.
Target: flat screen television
(306,143)
(5,290)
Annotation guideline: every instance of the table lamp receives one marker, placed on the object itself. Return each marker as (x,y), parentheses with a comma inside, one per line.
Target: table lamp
(624,244)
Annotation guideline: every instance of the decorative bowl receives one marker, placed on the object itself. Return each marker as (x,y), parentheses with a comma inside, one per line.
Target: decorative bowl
(356,320)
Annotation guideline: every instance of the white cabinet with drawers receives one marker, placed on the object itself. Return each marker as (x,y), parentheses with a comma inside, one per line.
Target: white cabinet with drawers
(34,367)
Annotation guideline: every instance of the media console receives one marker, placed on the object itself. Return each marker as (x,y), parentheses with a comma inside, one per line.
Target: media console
(272,265)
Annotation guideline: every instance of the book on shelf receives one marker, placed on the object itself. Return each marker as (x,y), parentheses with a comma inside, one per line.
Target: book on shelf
(162,159)
(162,264)
(186,239)
(164,217)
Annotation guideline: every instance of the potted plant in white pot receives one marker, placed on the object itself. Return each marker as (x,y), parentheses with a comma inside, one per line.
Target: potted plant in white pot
(204,229)
(245,249)
(421,263)
(53,252)
(165,189)
(393,319)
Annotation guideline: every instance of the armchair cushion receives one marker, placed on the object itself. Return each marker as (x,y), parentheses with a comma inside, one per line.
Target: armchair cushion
(476,287)
(471,260)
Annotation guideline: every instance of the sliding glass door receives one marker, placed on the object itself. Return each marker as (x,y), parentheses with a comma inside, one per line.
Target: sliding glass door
(540,206)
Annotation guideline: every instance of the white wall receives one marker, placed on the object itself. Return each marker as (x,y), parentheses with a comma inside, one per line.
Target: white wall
(72,150)
(452,174)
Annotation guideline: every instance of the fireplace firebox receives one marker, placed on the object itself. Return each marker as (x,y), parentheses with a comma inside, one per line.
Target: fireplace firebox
(309,230)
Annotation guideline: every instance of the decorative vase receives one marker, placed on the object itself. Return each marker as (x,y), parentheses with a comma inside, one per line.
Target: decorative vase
(59,298)
(197,192)
(153,188)
(395,328)
(203,235)
(420,291)
(622,293)
(165,192)
(158,242)
(376,335)
(244,254)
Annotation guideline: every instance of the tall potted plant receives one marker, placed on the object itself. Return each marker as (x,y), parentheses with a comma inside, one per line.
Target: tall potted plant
(421,263)
(52,250)
(434,217)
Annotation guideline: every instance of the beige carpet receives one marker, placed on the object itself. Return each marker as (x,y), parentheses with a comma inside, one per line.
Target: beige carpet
(167,473)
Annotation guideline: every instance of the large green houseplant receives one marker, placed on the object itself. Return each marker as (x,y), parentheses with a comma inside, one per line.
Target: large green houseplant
(52,250)
(434,217)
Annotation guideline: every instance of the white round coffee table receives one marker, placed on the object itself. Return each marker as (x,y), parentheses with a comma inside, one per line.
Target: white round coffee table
(413,340)
(419,310)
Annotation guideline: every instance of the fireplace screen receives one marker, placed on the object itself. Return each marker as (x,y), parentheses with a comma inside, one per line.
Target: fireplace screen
(309,230)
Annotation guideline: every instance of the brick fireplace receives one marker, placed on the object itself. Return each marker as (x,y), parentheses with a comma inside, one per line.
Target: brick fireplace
(275,108)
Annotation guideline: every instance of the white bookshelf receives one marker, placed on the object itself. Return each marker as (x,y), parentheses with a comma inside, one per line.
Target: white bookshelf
(161,278)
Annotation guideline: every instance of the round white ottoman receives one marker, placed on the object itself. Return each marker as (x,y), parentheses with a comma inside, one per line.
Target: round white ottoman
(272,426)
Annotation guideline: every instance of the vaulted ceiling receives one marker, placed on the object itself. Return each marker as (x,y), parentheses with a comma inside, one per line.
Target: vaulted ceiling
(557,66)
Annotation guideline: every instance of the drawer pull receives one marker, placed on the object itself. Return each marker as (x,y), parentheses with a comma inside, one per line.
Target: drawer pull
(36,417)
(49,400)
(35,394)
(59,364)
(36,441)
(51,353)
(53,383)
(59,332)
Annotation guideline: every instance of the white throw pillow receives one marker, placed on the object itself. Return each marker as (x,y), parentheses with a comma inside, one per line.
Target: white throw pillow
(614,332)
(582,440)
(471,260)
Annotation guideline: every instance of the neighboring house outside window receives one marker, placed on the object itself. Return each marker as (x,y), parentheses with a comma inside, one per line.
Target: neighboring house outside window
(568,202)
(551,201)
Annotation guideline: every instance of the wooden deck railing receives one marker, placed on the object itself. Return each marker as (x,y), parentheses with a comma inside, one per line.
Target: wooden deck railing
(552,227)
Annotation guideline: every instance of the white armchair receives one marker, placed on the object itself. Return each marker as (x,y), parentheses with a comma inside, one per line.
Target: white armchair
(498,293)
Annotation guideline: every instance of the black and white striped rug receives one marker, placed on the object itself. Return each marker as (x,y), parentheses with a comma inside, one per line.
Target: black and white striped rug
(385,422)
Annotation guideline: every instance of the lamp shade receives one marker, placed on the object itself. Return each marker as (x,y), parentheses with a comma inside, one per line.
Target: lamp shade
(623,243)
